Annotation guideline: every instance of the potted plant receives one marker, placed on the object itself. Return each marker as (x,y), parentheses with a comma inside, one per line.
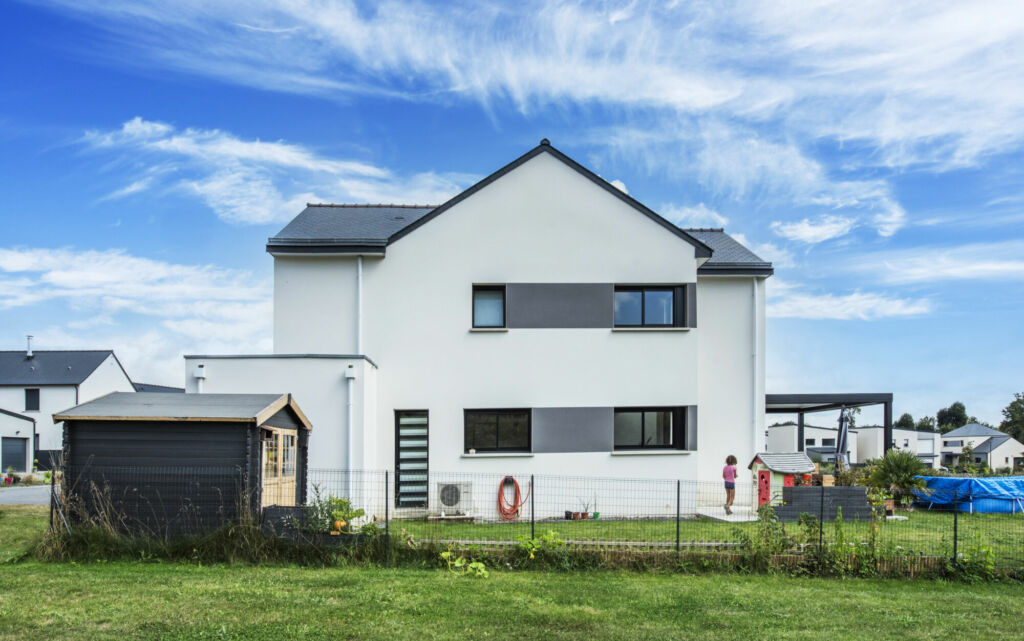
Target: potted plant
(898,471)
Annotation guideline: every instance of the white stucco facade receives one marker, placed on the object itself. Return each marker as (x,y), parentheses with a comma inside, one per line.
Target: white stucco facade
(541,223)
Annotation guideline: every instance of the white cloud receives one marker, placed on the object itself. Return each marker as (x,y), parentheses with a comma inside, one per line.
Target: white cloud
(252,181)
(995,261)
(618,184)
(145,309)
(787,300)
(700,215)
(778,256)
(815,231)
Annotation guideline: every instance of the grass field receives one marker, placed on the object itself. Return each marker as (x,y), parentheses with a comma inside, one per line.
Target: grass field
(146,600)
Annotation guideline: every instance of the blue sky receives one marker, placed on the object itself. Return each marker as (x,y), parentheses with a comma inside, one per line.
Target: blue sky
(873,152)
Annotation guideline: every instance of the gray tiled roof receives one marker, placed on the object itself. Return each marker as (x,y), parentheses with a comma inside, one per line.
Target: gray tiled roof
(163,389)
(355,224)
(727,251)
(184,406)
(49,367)
(991,443)
(785,462)
(973,429)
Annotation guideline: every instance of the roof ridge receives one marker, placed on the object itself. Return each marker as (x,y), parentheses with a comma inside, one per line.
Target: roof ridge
(718,229)
(368,205)
(54,351)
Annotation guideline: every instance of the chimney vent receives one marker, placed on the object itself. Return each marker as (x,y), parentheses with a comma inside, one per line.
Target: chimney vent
(28,349)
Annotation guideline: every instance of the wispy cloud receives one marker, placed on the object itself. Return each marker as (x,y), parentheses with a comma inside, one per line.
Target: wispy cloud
(791,301)
(815,231)
(150,310)
(254,181)
(699,215)
(995,261)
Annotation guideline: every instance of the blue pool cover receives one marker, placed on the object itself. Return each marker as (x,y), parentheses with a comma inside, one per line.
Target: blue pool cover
(995,494)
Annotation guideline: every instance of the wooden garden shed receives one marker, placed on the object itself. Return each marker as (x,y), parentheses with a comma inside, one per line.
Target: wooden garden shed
(775,470)
(184,462)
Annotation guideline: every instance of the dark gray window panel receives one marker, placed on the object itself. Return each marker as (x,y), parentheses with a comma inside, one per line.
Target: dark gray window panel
(691,427)
(559,305)
(690,319)
(573,429)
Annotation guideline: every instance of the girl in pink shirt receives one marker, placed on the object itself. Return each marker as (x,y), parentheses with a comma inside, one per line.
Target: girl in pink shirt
(729,475)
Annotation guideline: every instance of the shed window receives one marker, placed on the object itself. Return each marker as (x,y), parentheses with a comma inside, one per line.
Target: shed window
(488,306)
(497,431)
(272,452)
(32,399)
(288,454)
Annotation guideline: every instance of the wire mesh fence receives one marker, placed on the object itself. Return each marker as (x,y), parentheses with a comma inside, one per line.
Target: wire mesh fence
(497,510)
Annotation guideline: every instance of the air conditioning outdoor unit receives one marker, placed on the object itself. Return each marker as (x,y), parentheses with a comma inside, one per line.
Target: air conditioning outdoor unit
(454,499)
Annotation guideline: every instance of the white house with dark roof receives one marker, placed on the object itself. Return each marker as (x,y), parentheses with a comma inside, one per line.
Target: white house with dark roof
(542,321)
(36,384)
(991,447)
(17,433)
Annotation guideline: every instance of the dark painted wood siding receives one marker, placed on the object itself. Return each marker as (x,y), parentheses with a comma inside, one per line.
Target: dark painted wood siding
(157,443)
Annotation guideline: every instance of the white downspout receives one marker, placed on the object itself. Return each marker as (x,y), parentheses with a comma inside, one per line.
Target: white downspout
(359,304)
(753,356)
(350,378)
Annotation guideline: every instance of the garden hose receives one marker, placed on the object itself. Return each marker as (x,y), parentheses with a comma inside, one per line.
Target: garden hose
(510,511)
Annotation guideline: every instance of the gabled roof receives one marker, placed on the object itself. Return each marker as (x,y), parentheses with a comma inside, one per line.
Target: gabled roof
(156,406)
(728,255)
(973,429)
(990,444)
(65,367)
(163,389)
(784,462)
(350,229)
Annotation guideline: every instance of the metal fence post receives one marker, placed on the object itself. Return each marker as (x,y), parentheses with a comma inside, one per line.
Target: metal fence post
(821,517)
(679,486)
(532,519)
(956,513)
(387,518)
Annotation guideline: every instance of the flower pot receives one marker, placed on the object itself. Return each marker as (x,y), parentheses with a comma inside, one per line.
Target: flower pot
(568,515)
(576,516)
(596,515)
(585,515)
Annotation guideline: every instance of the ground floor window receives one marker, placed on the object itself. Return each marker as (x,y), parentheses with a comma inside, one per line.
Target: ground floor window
(649,427)
(506,430)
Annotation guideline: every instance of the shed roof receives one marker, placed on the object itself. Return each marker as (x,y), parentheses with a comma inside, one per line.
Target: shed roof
(56,367)
(784,462)
(973,429)
(151,387)
(157,406)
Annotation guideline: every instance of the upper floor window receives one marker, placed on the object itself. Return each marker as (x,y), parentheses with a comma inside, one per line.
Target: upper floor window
(638,428)
(488,306)
(809,441)
(827,442)
(497,431)
(32,399)
(648,306)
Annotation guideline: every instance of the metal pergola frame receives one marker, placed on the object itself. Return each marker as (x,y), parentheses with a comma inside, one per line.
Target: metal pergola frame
(801,404)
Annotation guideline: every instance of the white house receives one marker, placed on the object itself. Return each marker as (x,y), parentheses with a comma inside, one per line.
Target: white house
(871,442)
(36,384)
(819,442)
(991,447)
(542,321)
(17,433)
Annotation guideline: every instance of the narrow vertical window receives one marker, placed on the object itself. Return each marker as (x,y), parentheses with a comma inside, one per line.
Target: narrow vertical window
(32,400)
(488,306)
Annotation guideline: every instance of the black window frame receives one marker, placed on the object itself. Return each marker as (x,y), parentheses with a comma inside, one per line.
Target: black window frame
(810,442)
(504,305)
(678,304)
(497,413)
(679,419)
(38,395)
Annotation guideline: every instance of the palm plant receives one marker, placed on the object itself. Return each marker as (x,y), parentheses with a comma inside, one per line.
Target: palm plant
(897,470)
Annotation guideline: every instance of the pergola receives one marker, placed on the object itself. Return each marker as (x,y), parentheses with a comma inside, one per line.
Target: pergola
(801,404)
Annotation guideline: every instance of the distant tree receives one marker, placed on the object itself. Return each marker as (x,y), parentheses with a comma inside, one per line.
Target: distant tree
(779,424)
(1013,417)
(852,414)
(905,422)
(951,417)
(926,424)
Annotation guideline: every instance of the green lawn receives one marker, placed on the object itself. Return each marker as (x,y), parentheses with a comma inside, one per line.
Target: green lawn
(129,600)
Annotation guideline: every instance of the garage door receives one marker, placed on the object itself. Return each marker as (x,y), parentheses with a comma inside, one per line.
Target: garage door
(13,452)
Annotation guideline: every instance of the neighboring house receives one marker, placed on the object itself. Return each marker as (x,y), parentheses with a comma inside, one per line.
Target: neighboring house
(17,433)
(871,441)
(37,384)
(819,442)
(975,435)
(162,389)
(543,321)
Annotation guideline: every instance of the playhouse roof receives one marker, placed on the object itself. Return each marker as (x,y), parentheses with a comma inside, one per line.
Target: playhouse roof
(784,462)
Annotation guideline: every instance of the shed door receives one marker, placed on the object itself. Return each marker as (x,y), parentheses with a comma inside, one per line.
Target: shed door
(280,448)
(13,453)
(764,486)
